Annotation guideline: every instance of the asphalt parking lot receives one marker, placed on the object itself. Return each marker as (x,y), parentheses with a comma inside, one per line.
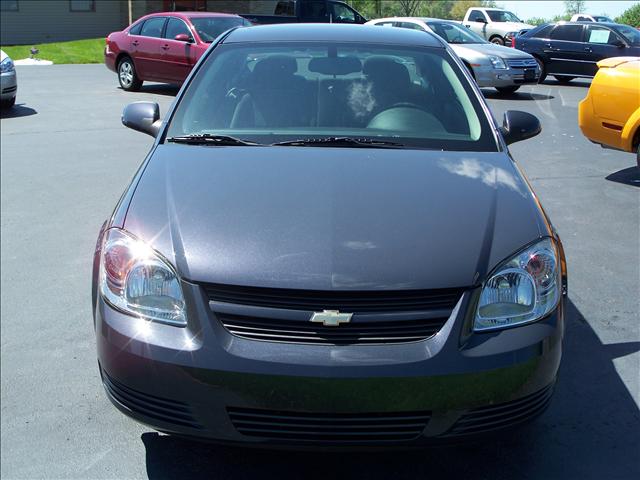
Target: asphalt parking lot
(65,160)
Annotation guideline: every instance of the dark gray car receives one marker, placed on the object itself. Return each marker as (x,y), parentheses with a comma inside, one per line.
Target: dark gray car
(329,244)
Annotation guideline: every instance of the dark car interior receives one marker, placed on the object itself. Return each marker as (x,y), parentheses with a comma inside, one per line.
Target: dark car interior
(347,92)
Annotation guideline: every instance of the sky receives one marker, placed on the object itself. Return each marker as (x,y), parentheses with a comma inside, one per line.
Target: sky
(547,9)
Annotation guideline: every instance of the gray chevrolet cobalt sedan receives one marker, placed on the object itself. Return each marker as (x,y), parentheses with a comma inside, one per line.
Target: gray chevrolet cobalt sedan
(329,244)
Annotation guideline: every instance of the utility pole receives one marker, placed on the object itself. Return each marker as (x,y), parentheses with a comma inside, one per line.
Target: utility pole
(130,12)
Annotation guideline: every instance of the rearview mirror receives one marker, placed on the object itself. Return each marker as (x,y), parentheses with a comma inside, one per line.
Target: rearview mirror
(518,126)
(183,37)
(143,117)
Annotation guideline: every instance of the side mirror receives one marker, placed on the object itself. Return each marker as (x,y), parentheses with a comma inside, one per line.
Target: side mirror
(518,126)
(183,37)
(143,117)
(481,20)
(619,43)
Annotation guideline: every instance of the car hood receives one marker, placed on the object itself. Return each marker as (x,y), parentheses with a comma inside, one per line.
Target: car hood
(473,50)
(332,218)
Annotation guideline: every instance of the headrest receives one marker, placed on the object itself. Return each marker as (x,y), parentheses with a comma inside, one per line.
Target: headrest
(381,68)
(275,66)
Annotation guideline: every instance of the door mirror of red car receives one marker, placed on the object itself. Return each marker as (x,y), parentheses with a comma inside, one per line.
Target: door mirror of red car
(518,126)
(183,37)
(143,117)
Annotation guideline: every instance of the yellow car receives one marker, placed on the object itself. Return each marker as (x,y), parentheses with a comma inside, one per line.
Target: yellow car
(610,113)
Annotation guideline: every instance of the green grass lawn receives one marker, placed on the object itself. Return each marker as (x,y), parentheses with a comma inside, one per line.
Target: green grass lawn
(78,51)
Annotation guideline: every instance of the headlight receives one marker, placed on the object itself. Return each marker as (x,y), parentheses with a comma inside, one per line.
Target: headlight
(497,62)
(6,65)
(137,280)
(521,290)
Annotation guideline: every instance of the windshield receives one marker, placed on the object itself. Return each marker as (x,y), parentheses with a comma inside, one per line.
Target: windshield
(454,33)
(630,34)
(502,16)
(282,92)
(209,28)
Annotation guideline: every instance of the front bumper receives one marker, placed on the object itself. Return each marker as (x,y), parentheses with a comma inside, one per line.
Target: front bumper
(490,77)
(8,85)
(202,381)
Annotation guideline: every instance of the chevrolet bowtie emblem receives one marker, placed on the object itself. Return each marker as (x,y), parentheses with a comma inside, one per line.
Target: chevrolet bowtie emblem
(331,318)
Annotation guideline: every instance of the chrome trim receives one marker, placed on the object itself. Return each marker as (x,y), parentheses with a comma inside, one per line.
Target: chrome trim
(571,60)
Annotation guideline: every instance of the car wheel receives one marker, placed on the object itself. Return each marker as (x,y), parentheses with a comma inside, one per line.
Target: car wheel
(508,90)
(543,71)
(8,103)
(127,76)
(497,40)
(563,78)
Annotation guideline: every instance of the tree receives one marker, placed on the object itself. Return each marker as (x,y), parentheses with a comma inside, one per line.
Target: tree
(572,7)
(631,16)
(409,8)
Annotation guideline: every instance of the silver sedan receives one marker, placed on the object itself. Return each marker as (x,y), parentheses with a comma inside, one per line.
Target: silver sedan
(8,81)
(491,65)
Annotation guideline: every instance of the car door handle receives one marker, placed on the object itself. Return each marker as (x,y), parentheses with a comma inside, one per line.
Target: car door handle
(588,49)
(135,43)
(165,47)
(548,45)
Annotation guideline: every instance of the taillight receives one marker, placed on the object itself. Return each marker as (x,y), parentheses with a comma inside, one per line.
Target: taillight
(513,42)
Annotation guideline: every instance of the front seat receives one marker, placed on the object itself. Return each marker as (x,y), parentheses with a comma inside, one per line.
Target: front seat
(275,97)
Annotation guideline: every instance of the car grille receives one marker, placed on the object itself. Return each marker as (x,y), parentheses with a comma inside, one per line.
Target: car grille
(495,417)
(419,314)
(351,333)
(347,301)
(156,408)
(329,427)
(522,63)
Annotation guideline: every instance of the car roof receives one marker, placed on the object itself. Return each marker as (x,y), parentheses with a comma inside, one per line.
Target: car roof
(333,32)
(414,19)
(606,24)
(190,14)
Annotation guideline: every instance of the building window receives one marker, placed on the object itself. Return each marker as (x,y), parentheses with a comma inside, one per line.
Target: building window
(82,5)
(9,5)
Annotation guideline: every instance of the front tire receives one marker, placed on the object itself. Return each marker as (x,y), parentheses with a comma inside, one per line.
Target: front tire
(497,40)
(127,75)
(543,71)
(508,90)
(8,103)
(563,78)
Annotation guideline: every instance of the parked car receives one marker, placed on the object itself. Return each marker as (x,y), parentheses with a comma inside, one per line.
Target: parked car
(491,65)
(610,113)
(309,257)
(494,24)
(568,50)
(8,81)
(583,17)
(164,47)
(297,11)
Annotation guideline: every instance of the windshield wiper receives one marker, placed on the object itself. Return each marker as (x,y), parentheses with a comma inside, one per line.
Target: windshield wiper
(209,139)
(338,142)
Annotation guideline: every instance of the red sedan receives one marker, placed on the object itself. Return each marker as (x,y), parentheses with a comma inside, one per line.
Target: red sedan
(163,47)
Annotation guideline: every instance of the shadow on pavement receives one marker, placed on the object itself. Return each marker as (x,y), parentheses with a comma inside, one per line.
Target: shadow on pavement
(18,110)
(576,82)
(591,430)
(495,95)
(159,89)
(627,176)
